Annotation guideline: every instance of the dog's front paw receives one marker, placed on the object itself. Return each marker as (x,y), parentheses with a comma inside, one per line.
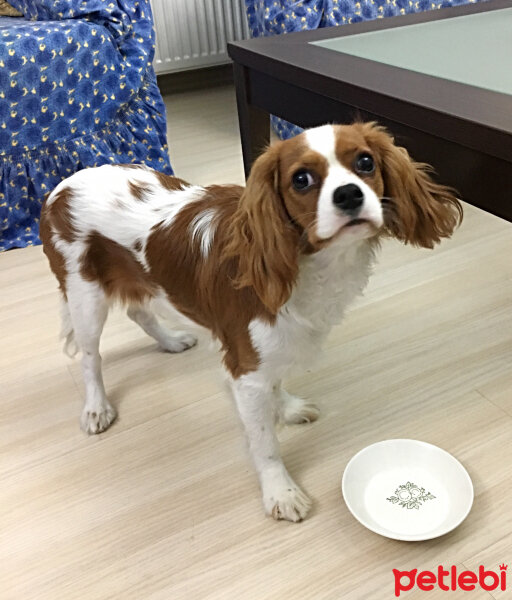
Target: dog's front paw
(178,342)
(283,499)
(295,410)
(96,421)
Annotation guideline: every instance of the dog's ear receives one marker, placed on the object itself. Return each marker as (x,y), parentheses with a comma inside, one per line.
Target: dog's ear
(264,242)
(417,210)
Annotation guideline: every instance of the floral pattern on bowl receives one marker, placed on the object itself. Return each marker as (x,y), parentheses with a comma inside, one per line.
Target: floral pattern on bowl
(410,496)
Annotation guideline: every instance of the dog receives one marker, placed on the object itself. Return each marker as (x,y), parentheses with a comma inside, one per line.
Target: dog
(268,268)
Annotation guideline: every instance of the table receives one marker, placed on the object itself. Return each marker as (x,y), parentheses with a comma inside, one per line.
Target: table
(441,81)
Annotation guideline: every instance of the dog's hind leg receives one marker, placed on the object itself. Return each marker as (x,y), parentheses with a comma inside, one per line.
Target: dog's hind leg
(292,409)
(170,341)
(88,309)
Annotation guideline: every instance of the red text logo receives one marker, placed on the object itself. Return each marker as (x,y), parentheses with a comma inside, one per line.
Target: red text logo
(450,579)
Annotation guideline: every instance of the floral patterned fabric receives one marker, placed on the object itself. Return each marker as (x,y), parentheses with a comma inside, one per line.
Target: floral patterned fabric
(77,89)
(271,17)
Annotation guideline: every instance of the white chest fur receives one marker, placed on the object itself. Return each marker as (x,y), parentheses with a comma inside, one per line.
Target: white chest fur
(328,283)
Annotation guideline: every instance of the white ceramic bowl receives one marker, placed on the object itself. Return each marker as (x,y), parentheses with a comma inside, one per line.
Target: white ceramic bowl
(407,490)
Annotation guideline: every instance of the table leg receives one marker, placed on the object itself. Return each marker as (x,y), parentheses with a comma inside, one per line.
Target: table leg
(254,122)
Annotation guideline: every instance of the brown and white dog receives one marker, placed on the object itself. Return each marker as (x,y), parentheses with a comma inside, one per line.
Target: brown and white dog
(268,268)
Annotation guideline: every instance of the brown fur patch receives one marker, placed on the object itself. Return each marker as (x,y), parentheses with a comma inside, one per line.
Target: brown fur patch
(116,269)
(171,183)
(60,215)
(203,289)
(55,258)
(138,190)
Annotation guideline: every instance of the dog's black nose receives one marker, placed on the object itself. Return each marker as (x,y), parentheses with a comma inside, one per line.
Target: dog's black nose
(349,198)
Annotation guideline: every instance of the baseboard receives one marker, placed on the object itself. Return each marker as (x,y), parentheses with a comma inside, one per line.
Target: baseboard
(183,81)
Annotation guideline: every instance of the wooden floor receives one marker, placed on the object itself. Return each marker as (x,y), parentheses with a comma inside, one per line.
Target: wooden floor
(165,505)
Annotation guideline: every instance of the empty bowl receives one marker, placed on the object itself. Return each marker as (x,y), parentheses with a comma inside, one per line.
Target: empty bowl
(407,489)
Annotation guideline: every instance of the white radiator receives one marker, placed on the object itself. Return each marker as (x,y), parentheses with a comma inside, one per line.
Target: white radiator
(194,33)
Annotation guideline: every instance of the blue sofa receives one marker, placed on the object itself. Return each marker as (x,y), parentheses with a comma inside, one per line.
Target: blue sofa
(77,89)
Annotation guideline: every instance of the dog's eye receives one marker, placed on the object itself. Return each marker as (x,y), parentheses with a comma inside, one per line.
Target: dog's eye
(302,180)
(364,164)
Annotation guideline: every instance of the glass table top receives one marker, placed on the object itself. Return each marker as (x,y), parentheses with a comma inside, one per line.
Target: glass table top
(472,49)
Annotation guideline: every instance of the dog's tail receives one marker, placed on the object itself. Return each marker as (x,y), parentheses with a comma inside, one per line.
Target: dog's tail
(67,332)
